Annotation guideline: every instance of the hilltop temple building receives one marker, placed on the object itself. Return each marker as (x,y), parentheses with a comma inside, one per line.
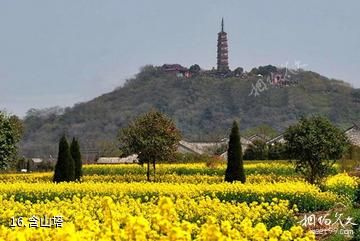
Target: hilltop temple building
(222,51)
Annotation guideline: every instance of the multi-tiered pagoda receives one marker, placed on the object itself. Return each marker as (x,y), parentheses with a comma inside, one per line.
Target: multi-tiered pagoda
(222,51)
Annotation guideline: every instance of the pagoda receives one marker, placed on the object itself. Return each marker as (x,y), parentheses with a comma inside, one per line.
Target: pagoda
(222,50)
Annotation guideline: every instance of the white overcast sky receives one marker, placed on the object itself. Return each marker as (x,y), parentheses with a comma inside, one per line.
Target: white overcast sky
(64,52)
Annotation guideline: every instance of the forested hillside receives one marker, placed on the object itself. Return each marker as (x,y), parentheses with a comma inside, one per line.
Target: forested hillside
(202,106)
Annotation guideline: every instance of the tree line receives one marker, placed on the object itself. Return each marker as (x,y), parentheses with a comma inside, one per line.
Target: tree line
(313,144)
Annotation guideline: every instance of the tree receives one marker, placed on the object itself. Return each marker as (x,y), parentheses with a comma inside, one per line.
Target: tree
(267,70)
(153,137)
(235,167)
(238,71)
(76,155)
(10,134)
(315,144)
(195,69)
(254,71)
(256,151)
(17,126)
(65,166)
(276,151)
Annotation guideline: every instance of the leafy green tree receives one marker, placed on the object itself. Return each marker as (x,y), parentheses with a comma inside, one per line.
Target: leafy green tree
(267,70)
(315,145)
(256,151)
(195,69)
(76,155)
(17,126)
(235,167)
(10,134)
(238,71)
(254,71)
(276,151)
(65,166)
(153,137)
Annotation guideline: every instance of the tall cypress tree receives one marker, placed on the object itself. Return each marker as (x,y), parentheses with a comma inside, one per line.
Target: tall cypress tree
(65,166)
(235,167)
(76,155)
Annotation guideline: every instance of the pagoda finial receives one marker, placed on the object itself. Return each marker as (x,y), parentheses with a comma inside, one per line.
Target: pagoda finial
(222,24)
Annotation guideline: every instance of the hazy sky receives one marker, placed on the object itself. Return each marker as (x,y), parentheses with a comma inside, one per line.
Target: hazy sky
(69,51)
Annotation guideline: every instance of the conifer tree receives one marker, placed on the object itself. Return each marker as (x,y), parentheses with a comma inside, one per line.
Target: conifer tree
(235,167)
(76,155)
(65,166)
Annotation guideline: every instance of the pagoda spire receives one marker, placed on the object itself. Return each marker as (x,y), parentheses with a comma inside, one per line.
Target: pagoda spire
(222,24)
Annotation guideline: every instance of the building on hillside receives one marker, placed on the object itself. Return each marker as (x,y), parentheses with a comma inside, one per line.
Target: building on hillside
(277,78)
(222,51)
(245,142)
(200,147)
(33,164)
(277,139)
(185,148)
(118,160)
(37,160)
(258,137)
(28,165)
(353,134)
(90,155)
(177,70)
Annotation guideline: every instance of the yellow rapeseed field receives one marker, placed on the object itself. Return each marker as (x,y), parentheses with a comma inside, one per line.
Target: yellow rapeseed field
(101,218)
(187,202)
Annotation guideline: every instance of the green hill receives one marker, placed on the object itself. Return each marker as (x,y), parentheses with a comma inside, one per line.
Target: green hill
(203,107)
